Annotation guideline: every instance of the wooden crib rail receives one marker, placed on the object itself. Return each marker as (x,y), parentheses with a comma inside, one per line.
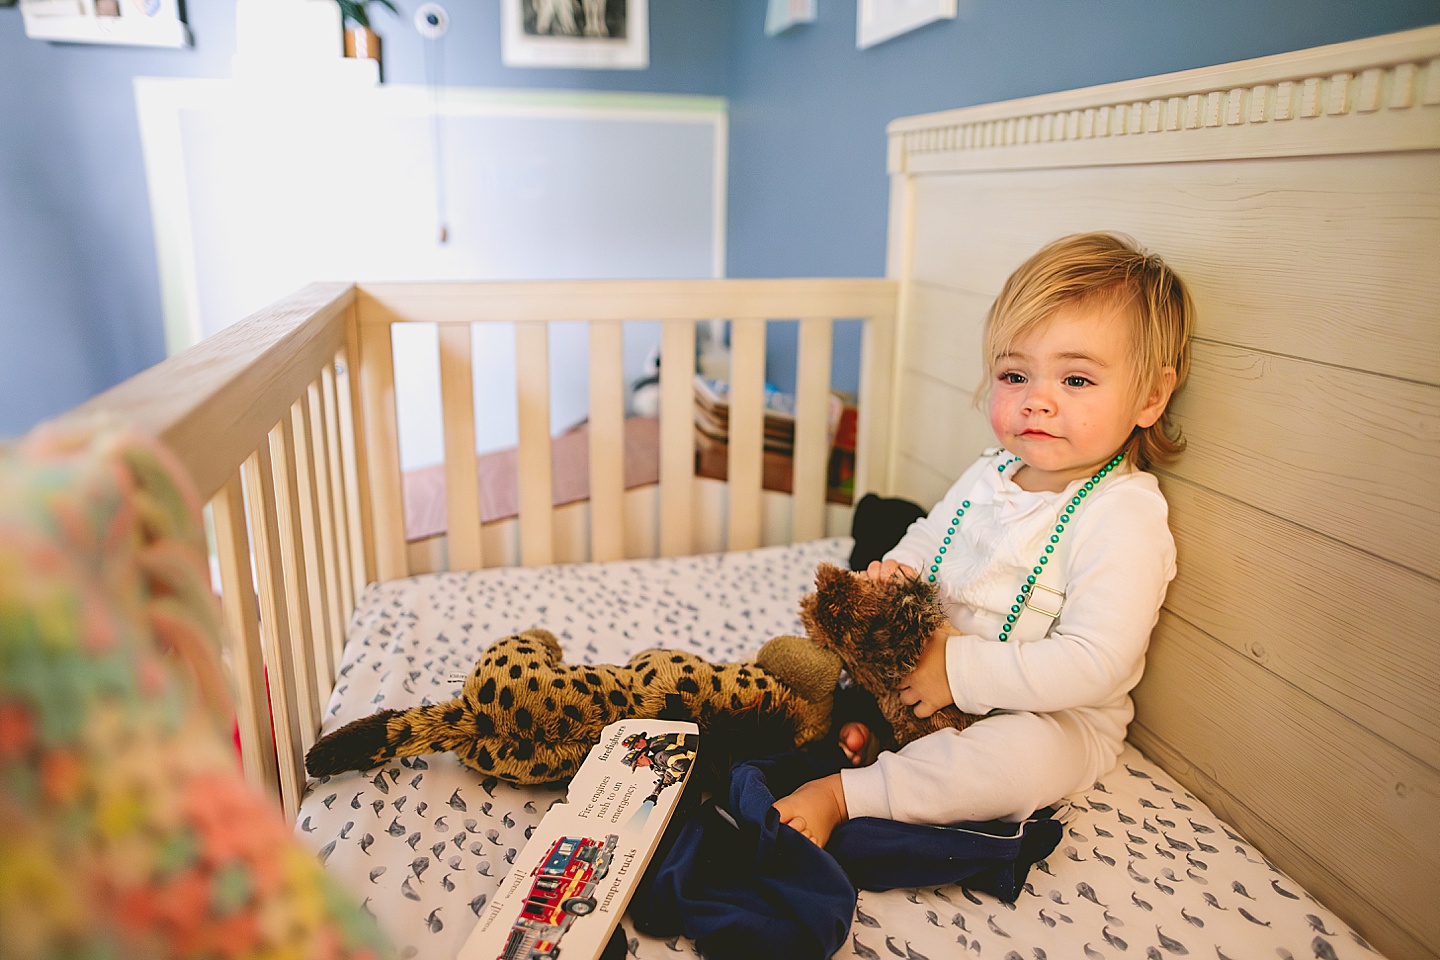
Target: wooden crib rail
(290,447)
(605,305)
(261,417)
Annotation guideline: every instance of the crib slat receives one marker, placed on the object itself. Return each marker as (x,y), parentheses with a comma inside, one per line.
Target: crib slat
(873,428)
(316,543)
(382,450)
(812,441)
(324,511)
(746,437)
(354,480)
(308,553)
(607,440)
(462,484)
(275,622)
(536,500)
(242,637)
(338,498)
(677,436)
(296,585)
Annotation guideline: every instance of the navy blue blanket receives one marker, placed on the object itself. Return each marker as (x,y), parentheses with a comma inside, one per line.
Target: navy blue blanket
(741,885)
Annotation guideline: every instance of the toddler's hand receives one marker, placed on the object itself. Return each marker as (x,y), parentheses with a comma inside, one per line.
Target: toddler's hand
(926,689)
(881,570)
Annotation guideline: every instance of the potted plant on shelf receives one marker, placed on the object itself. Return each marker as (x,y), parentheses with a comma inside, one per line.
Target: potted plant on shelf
(360,40)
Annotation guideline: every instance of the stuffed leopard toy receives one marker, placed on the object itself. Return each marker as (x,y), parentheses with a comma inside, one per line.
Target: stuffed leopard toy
(524,716)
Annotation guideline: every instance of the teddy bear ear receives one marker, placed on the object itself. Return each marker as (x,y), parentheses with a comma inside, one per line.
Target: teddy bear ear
(827,574)
(830,614)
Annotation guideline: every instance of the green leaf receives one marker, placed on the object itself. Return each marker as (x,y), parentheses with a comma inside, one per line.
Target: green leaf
(354,11)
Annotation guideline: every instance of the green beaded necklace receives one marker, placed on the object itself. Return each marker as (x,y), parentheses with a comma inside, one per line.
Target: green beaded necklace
(1030,581)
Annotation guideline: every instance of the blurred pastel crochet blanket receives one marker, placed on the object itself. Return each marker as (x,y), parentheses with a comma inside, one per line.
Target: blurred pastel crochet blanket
(126,828)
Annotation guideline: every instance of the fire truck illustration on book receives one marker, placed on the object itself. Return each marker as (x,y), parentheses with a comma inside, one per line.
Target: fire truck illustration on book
(563,889)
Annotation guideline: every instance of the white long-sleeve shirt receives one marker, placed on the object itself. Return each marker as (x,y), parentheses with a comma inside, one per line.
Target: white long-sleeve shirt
(1063,686)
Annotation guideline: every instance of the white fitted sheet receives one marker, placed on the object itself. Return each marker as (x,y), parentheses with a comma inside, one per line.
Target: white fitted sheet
(1144,868)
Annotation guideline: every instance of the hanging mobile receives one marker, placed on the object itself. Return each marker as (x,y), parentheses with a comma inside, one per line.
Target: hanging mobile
(432,22)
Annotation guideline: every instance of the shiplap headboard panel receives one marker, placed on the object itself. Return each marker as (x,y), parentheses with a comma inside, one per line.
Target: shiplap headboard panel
(1294,678)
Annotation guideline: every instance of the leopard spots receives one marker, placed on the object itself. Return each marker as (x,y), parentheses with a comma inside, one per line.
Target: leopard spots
(523,713)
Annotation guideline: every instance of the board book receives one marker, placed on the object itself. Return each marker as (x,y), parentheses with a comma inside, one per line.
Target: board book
(570,885)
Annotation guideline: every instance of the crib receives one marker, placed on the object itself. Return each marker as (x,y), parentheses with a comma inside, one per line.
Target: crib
(1289,700)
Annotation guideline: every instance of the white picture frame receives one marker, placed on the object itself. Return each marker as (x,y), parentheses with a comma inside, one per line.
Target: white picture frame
(142,23)
(781,15)
(879,20)
(584,34)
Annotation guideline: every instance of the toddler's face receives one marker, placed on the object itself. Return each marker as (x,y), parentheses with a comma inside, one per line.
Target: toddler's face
(1064,398)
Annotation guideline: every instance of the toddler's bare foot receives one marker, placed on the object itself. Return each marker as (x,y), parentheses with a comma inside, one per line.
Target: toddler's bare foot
(859,745)
(815,809)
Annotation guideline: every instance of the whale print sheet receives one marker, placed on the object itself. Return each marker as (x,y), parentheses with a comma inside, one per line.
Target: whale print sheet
(1144,869)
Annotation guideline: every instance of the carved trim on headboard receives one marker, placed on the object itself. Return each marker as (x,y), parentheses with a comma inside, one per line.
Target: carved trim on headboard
(1387,90)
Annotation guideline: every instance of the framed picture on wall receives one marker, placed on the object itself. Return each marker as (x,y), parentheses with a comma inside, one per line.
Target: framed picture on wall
(147,23)
(594,34)
(879,20)
(781,15)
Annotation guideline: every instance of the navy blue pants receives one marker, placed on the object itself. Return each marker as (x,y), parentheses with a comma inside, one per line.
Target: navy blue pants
(742,886)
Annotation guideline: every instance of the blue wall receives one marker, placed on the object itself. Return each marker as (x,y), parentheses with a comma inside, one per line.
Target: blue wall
(809,193)
(79,286)
(79,291)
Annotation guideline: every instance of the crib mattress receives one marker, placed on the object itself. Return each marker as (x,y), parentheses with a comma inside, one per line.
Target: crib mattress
(1144,868)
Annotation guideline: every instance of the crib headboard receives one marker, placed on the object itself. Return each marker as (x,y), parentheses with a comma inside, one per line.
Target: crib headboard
(1294,679)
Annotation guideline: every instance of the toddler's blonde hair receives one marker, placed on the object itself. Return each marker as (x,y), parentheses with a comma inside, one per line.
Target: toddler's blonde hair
(1098,268)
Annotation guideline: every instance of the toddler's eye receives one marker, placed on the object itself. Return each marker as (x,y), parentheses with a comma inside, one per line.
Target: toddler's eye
(1076,382)
(1010,376)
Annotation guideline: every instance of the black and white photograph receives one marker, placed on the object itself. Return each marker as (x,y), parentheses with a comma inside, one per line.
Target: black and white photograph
(596,34)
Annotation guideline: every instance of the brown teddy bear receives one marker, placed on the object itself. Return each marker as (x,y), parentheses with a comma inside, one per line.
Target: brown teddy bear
(878,631)
(525,716)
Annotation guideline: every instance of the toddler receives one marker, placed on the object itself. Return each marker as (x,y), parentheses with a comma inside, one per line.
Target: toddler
(1051,555)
